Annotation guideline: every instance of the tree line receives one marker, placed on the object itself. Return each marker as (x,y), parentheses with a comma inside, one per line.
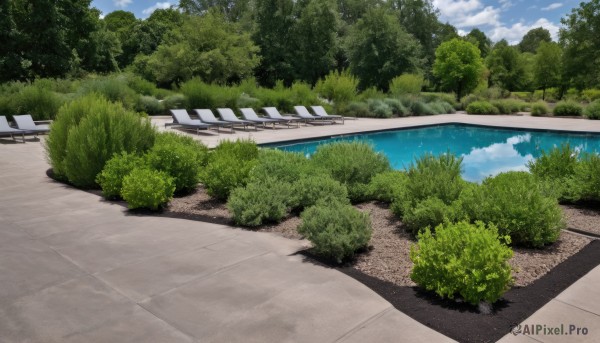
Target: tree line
(226,41)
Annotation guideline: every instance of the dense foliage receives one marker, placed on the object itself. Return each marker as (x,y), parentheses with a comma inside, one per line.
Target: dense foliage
(147,188)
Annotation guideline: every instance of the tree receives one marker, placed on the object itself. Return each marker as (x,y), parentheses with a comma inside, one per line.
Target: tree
(232,9)
(506,67)
(352,10)
(209,47)
(274,32)
(458,65)
(581,41)
(10,60)
(379,49)
(479,38)
(533,38)
(316,39)
(119,21)
(547,69)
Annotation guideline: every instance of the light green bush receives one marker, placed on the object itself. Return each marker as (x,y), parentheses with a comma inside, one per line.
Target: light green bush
(371,93)
(552,95)
(568,108)
(556,167)
(406,84)
(397,107)
(308,190)
(462,259)
(468,99)
(585,183)
(42,103)
(388,186)
(420,108)
(111,177)
(379,108)
(509,106)
(149,105)
(203,95)
(174,101)
(449,98)
(113,88)
(260,201)
(141,86)
(336,230)
(246,101)
(539,109)
(592,111)
(146,188)
(339,87)
(525,96)
(353,164)
(591,94)
(282,165)
(430,213)
(482,107)
(356,109)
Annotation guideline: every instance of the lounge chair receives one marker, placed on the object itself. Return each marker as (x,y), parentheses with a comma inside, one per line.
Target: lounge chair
(206,116)
(25,122)
(273,113)
(303,113)
(6,130)
(230,117)
(182,118)
(250,115)
(320,112)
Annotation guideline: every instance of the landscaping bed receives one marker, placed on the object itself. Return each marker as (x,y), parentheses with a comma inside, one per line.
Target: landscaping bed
(582,219)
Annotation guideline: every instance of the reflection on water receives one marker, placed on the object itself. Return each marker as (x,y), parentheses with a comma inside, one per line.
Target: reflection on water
(485,151)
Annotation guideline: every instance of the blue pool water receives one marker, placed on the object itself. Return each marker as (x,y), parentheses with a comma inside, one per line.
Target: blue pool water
(485,151)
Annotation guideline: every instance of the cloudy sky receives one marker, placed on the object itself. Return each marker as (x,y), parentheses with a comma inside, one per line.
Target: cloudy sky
(499,19)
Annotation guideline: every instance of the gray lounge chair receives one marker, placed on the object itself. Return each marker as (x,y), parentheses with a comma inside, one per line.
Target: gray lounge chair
(6,130)
(206,116)
(273,113)
(182,118)
(230,117)
(250,115)
(319,111)
(303,113)
(25,122)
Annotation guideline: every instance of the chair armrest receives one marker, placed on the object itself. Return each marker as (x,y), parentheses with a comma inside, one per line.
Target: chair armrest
(43,121)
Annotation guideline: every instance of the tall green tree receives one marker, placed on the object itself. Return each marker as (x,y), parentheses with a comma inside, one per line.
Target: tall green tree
(458,65)
(316,39)
(352,10)
(580,37)
(232,9)
(274,31)
(10,60)
(119,21)
(533,39)
(209,47)
(547,69)
(506,67)
(477,37)
(379,49)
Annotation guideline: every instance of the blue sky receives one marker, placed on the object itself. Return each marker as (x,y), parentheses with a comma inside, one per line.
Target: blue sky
(499,19)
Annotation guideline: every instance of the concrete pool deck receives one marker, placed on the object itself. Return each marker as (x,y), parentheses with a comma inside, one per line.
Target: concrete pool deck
(282,133)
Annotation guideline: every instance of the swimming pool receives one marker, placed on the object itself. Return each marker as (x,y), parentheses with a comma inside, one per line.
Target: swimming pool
(486,151)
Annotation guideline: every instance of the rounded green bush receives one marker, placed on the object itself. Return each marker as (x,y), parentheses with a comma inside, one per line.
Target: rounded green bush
(149,105)
(568,108)
(260,202)
(336,230)
(482,107)
(41,102)
(593,110)
(146,188)
(419,108)
(308,190)
(282,165)
(430,213)
(104,128)
(111,177)
(462,259)
(351,163)
(229,167)
(554,168)
(585,183)
(181,157)
(379,108)
(515,203)
(539,109)
(387,186)
(397,107)
(356,109)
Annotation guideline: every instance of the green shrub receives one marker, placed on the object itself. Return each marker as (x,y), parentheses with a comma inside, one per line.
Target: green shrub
(179,156)
(105,129)
(430,213)
(229,167)
(557,163)
(585,183)
(371,93)
(539,109)
(468,99)
(449,98)
(442,107)
(339,87)
(149,105)
(591,94)
(387,186)
(336,230)
(572,94)
(203,95)
(379,108)
(356,109)
(552,94)
(145,188)
(592,111)
(113,88)
(111,177)
(246,101)
(260,202)
(141,86)
(310,189)
(492,93)
(515,203)
(397,107)
(462,259)
(568,108)
(419,108)
(40,102)
(174,101)
(525,96)
(508,106)
(482,107)
(282,165)
(406,84)
(352,164)
(302,94)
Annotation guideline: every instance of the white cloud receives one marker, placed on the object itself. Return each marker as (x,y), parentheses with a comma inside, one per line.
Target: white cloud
(513,34)
(122,3)
(506,4)
(552,6)
(158,5)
